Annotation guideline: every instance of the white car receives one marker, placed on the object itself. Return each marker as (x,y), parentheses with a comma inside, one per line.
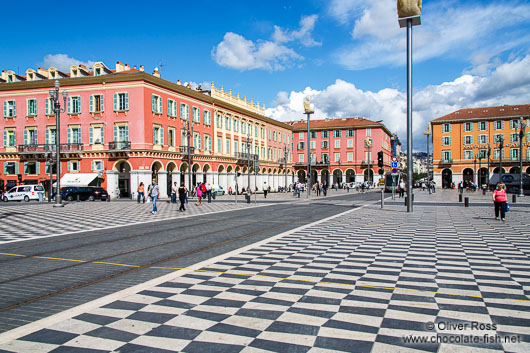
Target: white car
(218,190)
(24,192)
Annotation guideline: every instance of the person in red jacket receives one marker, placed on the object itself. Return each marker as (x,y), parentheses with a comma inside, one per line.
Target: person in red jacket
(499,199)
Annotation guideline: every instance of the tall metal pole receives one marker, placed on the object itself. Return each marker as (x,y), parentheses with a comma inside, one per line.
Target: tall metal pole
(501,143)
(54,95)
(308,158)
(285,164)
(479,183)
(489,155)
(475,178)
(369,161)
(189,158)
(521,134)
(428,169)
(248,164)
(409,115)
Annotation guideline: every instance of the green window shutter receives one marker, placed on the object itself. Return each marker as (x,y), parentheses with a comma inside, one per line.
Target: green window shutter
(15,137)
(471,139)
(91,104)
(502,124)
(153,103)
(90,135)
(102,133)
(37,167)
(26,137)
(102,108)
(36,137)
(69,110)
(16,167)
(68,135)
(126,101)
(91,165)
(79,103)
(47,106)
(5,109)
(169,110)
(115,133)
(5,138)
(154,135)
(15,108)
(162,136)
(5,168)
(127,133)
(115,101)
(68,165)
(47,136)
(160,107)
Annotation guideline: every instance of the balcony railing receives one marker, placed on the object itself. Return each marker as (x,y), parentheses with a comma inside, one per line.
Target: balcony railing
(119,145)
(184,150)
(45,148)
(246,156)
(313,164)
(446,161)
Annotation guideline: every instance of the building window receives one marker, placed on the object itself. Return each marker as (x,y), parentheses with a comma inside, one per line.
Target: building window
(349,156)
(274,135)
(337,156)
(196,115)
(514,137)
(96,165)
(219,145)
(482,154)
(324,134)
(156,104)
(498,125)
(121,102)
(468,154)
(96,103)
(350,143)
(301,145)
(207,143)
(337,143)
(74,166)
(312,144)
(207,117)
(324,144)
(497,138)
(350,133)
(256,130)
(227,144)
(313,134)
(468,140)
(31,136)
(483,126)
(95,135)
(73,136)
(10,109)
(171,137)
(514,124)
(468,127)
(446,128)
(158,135)
(324,157)
(496,154)
(32,107)
(185,112)
(171,108)
(235,147)
(446,141)
(48,107)
(31,168)
(10,168)
(300,135)
(446,156)
(368,131)
(50,136)
(300,158)
(482,139)
(514,154)
(74,105)
(336,133)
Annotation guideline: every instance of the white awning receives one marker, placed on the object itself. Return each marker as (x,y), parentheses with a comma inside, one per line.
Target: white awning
(78,179)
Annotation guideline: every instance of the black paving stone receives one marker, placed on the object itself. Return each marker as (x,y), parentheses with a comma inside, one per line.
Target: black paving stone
(157,318)
(112,334)
(49,336)
(279,347)
(202,347)
(343,345)
(174,332)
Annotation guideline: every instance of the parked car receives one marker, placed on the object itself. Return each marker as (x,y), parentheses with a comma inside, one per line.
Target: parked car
(70,193)
(24,192)
(218,190)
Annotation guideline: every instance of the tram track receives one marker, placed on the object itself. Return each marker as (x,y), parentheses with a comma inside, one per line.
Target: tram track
(151,264)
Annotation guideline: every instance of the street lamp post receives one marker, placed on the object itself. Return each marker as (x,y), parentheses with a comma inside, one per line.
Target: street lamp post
(188,126)
(522,127)
(248,143)
(475,176)
(285,164)
(308,111)
(428,134)
(479,183)
(409,13)
(501,143)
(489,156)
(54,97)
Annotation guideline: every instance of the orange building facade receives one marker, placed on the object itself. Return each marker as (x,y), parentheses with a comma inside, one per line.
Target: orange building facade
(466,143)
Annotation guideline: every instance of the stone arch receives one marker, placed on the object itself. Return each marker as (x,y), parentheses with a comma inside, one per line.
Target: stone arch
(528,170)
(447,178)
(183,172)
(221,168)
(514,170)
(123,167)
(337,176)
(301,176)
(468,175)
(369,175)
(496,170)
(117,164)
(350,175)
(264,171)
(206,168)
(171,167)
(195,168)
(156,167)
(482,176)
(229,169)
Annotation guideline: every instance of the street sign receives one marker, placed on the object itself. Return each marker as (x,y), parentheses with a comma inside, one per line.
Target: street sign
(394,159)
(381,181)
(394,170)
(394,165)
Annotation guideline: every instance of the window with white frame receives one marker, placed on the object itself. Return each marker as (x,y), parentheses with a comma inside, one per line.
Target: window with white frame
(236,124)
(10,109)
(256,130)
(336,133)
(235,147)
(312,155)
(10,168)
(324,144)
(350,133)
(324,134)
(482,154)
(446,156)
(50,135)
(156,104)
(313,144)
(514,124)
(482,139)
(171,108)
(482,126)
(514,154)
(74,105)
(313,134)
(300,158)
(514,137)
(228,121)
(446,127)
(96,135)
(48,107)
(350,143)
(227,144)
(468,127)
(498,125)
(446,141)
(74,166)
(349,156)
(468,140)
(336,156)
(31,136)
(300,135)
(197,142)
(10,137)
(121,102)
(158,135)
(73,135)
(337,143)
(368,131)
(185,112)
(496,153)
(32,107)
(196,115)
(207,117)
(468,154)
(31,168)
(324,157)
(497,138)
(96,103)
(301,145)
(219,145)
(171,135)
(207,143)
(96,165)
(274,136)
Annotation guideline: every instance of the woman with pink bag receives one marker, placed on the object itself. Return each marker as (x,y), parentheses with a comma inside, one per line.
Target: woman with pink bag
(199,195)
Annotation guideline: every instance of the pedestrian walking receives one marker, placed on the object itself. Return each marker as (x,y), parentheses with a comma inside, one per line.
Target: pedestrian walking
(265,189)
(499,200)
(182,192)
(155,194)
(198,192)
(174,190)
(141,192)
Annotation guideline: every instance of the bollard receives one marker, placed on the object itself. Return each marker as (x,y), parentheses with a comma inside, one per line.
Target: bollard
(460,197)
(514,198)
(78,199)
(483,191)
(466,202)
(209,197)
(248,198)
(406,200)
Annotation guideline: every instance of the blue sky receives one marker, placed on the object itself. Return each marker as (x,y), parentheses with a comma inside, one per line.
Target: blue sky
(348,56)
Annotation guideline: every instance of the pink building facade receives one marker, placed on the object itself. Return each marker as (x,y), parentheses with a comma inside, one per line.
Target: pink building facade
(341,150)
(123,126)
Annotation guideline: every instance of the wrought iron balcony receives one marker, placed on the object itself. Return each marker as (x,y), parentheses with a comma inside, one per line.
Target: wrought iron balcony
(45,148)
(446,161)
(119,145)
(184,150)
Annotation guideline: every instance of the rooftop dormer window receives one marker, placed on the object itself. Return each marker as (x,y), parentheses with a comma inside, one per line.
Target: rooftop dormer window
(97,72)
(75,73)
(31,77)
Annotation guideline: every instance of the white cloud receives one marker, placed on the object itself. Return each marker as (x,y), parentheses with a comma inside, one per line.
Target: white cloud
(307,24)
(449,29)
(63,62)
(506,84)
(239,53)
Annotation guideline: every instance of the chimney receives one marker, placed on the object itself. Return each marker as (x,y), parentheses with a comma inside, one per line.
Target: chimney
(119,66)
(156,73)
(212,84)
(142,68)
(127,67)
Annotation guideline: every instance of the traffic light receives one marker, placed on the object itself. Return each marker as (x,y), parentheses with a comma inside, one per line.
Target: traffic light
(380,159)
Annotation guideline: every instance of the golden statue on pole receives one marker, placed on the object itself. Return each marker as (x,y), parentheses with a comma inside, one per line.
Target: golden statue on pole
(408,8)
(307,106)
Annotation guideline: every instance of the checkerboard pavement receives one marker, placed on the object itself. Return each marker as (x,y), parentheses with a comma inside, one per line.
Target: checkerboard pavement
(23,222)
(359,282)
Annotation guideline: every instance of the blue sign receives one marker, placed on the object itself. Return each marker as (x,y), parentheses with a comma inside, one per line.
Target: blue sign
(394,165)
(394,170)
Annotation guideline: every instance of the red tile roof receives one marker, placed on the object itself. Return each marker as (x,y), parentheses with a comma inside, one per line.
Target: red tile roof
(333,123)
(487,112)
